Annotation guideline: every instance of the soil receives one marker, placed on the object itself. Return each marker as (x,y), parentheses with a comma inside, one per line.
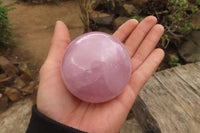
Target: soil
(33,27)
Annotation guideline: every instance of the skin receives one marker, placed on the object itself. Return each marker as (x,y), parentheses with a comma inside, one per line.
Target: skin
(56,102)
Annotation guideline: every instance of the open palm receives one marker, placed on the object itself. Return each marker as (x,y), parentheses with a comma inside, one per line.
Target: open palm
(56,102)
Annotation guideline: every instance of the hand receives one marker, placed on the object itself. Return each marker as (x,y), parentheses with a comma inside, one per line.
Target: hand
(56,102)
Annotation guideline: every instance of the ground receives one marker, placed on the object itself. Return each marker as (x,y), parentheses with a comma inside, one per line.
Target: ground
(33,27)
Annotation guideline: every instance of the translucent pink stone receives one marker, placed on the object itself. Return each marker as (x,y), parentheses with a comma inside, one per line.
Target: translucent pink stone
(96,67)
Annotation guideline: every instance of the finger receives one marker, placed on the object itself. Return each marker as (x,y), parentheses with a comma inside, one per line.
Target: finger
(147,46)
(139,78)
(125,30)
(59,43)
(143,73)
(139,34)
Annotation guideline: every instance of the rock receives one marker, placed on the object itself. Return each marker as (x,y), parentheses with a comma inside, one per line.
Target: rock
(7,67)
(14,97)
(10,69)
(102,19)
(26,78)
(130,10)
(24,68)
(119,21)
(3,61)
(16,118)
(2,76)
(196,21)
(29,89)
(19,83)
(1,95)
(190,49)
(140,3)
(6,81)
(12,93)
(194,36)
(3,104)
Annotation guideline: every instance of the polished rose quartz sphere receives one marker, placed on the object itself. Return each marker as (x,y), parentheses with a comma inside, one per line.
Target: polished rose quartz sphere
(96,67)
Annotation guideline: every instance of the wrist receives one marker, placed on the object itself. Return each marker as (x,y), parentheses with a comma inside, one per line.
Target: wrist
(40,123)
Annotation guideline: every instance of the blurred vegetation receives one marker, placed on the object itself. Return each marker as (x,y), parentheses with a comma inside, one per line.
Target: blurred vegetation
(85,6)
(43,1)
(5,27)
(174,62)
(175,16)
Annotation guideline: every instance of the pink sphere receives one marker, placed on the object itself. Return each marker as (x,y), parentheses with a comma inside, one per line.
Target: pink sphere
(96,67)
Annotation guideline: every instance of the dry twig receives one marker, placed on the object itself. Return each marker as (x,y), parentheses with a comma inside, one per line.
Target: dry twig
(85,6)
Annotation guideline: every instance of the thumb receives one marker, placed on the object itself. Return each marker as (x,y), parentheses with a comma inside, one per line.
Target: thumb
(59,43)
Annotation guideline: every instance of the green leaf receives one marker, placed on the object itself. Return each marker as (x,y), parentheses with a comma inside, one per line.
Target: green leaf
(5,30)
(138,18)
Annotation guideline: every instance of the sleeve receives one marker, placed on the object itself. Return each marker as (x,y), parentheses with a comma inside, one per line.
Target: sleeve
(40,123)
